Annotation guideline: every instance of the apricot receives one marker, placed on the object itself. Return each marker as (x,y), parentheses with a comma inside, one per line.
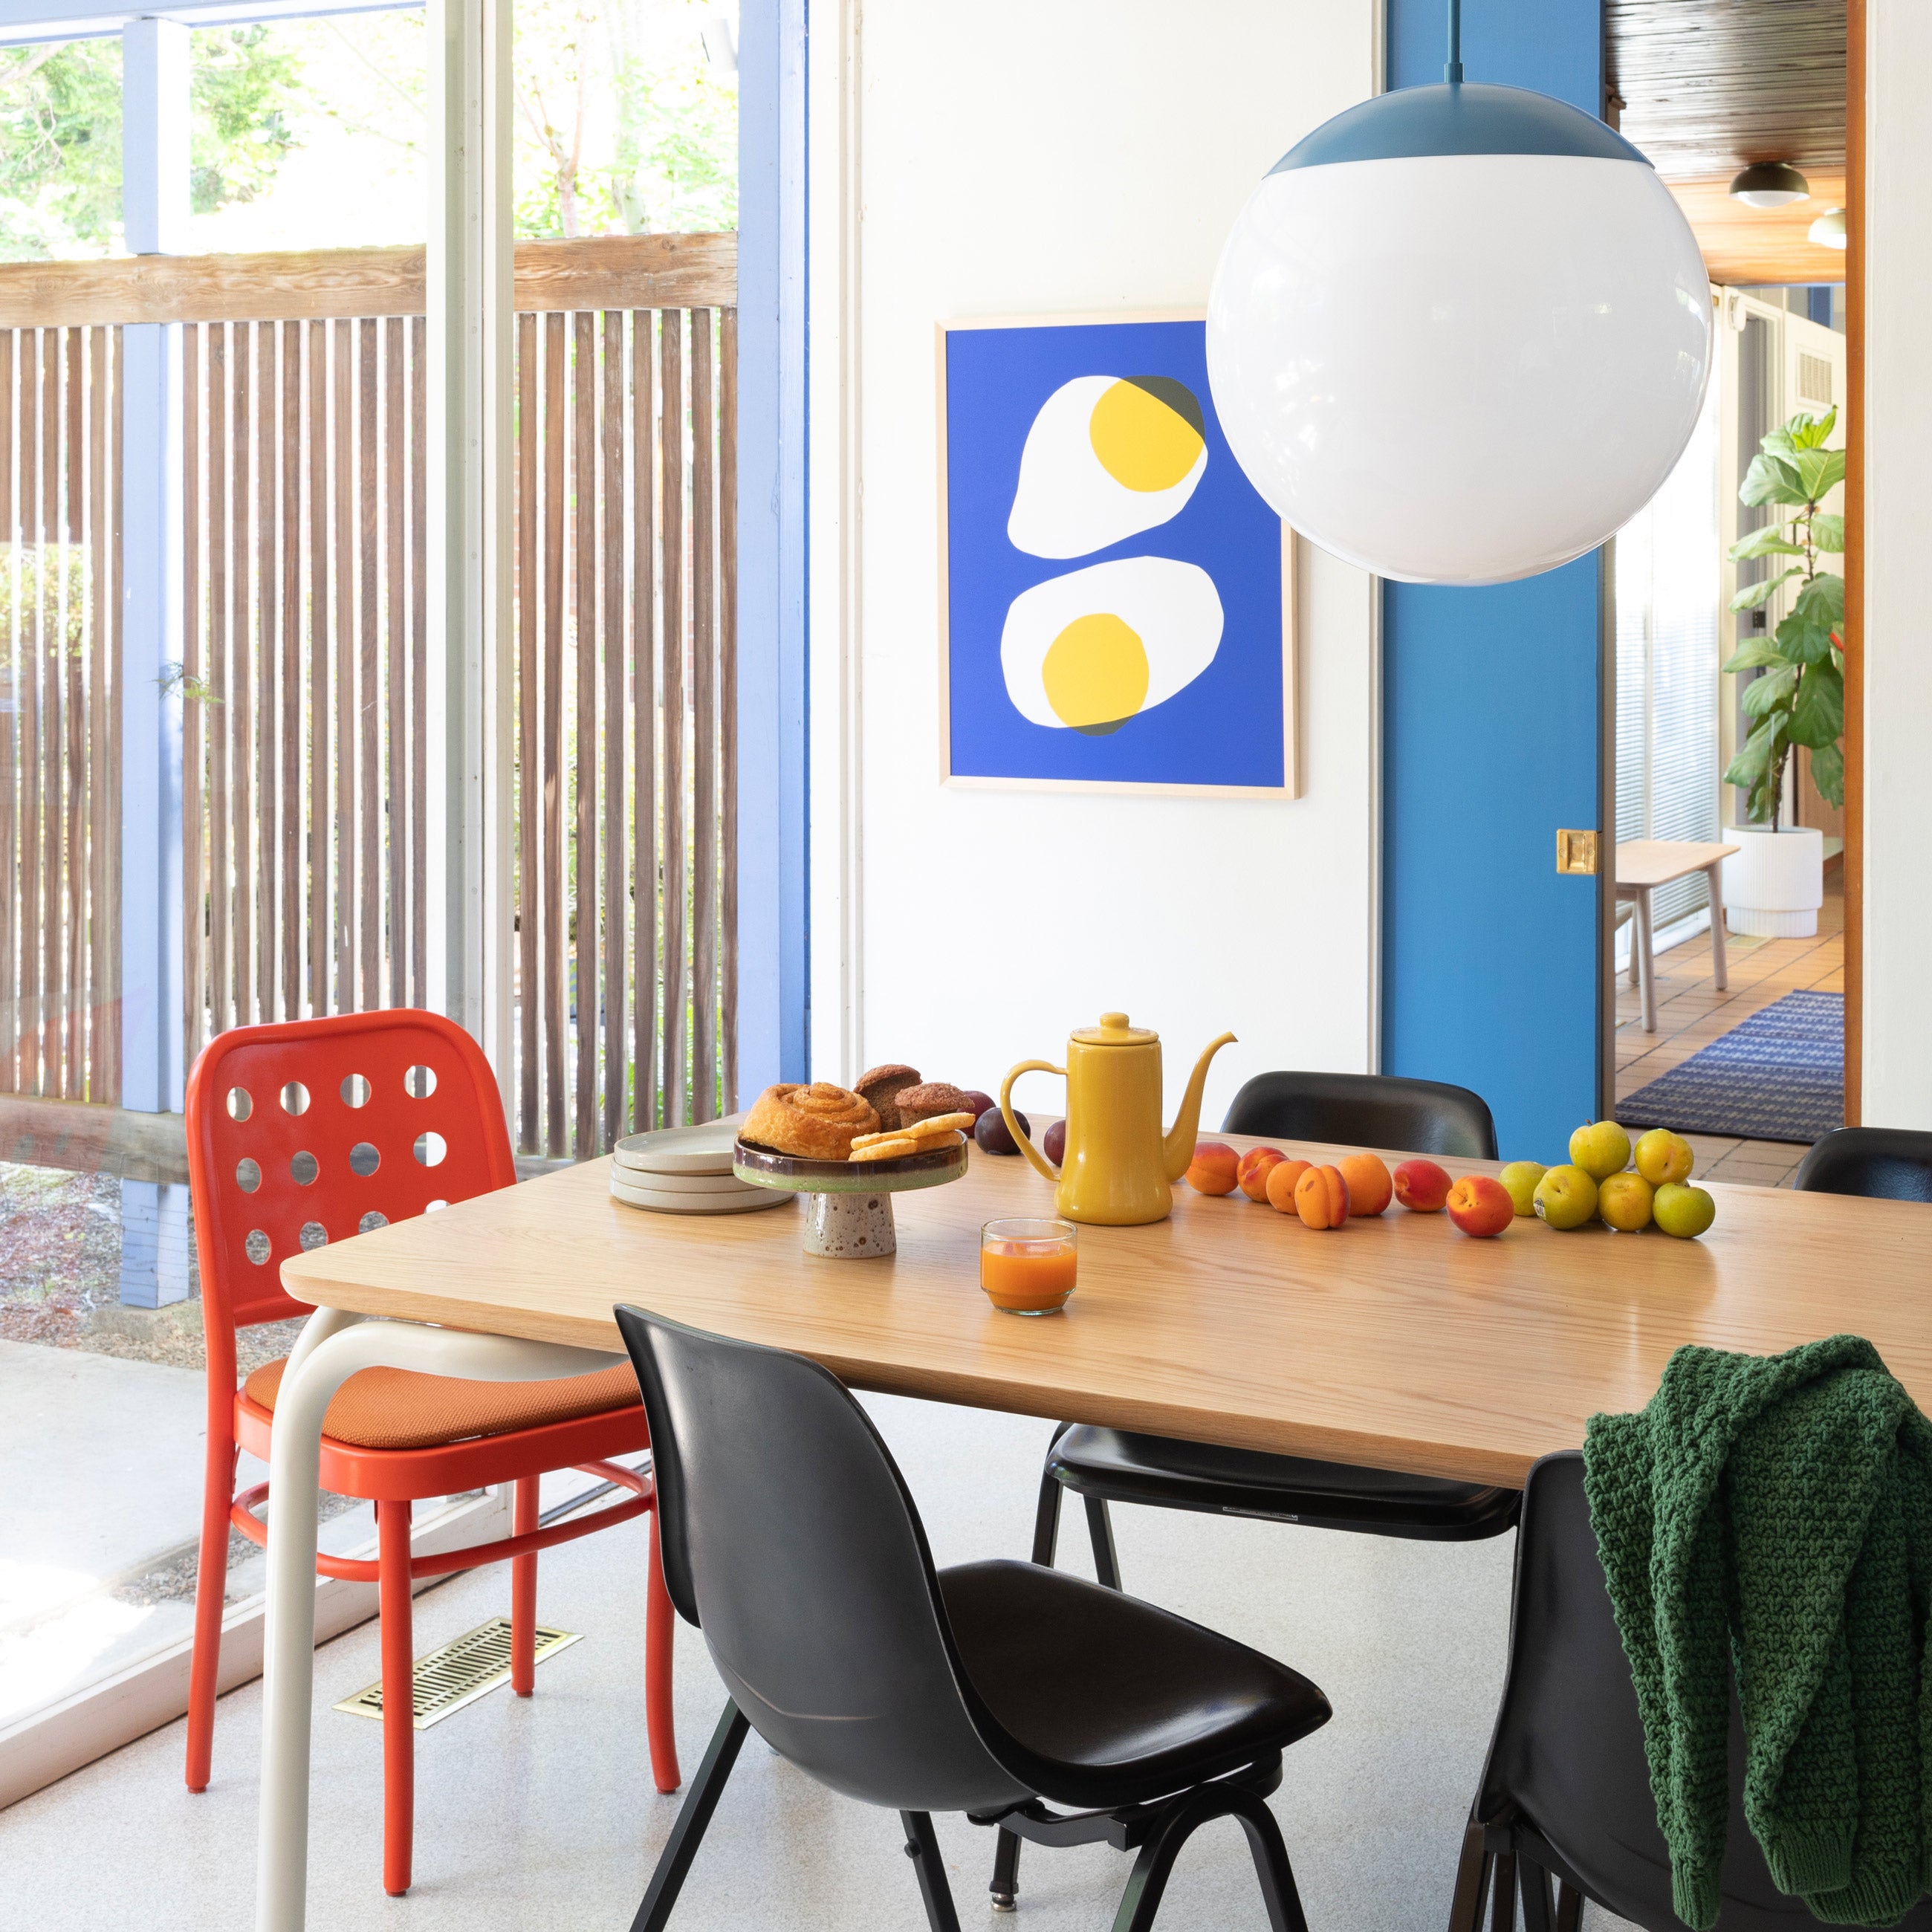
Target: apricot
(1421,1186)
(1480,1204)
(1322,1197)
(1252,1174)
(1215,1168)
(1281,1178)
(1370,1190)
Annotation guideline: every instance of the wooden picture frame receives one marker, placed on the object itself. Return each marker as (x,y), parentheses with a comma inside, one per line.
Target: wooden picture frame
(1290,787)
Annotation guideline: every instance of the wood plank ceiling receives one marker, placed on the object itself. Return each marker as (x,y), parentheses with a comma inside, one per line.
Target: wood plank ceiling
(1705,87)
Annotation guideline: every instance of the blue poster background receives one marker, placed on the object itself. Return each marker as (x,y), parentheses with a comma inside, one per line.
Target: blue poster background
(1225,728)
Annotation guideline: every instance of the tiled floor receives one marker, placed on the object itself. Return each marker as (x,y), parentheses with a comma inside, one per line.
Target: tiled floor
(1691,1013)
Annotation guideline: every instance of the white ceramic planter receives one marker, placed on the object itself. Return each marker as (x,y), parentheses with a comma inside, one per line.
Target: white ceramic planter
(1775,882)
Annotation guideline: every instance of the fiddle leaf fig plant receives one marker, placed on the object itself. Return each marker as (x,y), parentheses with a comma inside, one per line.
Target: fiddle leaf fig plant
(1800,700)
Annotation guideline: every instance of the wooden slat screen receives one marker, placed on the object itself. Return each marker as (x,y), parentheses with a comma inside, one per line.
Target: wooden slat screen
(59,731)
(305,670)
(625,655)
(302,800)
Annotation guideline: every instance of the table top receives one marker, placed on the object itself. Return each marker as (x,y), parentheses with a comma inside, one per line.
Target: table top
(1396,1341)
(1656,861)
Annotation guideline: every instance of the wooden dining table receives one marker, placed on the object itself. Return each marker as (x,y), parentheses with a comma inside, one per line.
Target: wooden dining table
(1394,1341)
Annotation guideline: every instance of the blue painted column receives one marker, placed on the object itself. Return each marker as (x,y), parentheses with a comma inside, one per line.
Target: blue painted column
(1492,962)
(773,880)
(154,193)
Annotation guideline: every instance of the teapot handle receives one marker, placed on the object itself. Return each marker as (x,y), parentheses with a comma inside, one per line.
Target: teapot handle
(1041,1165)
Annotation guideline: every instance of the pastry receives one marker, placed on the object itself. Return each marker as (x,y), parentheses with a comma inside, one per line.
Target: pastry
(815,1122)
(880,1086)
(887,1147)
(936,1096)
(924,1137)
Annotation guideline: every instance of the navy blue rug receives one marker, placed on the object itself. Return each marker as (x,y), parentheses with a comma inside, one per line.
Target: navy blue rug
(1780,1076)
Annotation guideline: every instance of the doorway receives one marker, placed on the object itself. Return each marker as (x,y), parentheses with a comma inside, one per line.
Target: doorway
(1746,1059)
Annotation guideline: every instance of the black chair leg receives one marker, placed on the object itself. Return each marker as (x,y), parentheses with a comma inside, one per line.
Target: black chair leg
(1100,1528)
(693,1816)
(1472,1873)
(1046,1520)
(1148,1882)
(1533,1884)
(922,1848)
(1502,1904)
(1569,1907)
(1005,1885)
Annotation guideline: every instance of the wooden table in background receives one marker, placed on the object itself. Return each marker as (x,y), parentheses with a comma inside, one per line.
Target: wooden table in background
(1396,1341)
(1643,866)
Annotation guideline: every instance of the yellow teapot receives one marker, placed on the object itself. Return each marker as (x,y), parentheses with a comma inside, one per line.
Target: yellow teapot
(1118,1166)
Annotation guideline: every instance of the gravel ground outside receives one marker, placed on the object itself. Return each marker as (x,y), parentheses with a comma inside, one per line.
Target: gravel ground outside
(60,1268)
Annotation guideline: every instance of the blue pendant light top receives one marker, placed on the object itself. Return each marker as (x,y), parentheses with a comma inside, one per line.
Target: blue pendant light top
(1465,118)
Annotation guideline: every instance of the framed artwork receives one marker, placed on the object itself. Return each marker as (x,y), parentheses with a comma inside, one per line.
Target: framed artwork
(1116,601)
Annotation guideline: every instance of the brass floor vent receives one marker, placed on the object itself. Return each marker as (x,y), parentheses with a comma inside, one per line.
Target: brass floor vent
(466,1668)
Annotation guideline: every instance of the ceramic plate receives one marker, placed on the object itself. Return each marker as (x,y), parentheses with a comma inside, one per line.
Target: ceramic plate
(746,1201)
(697,1185)
(701,1149)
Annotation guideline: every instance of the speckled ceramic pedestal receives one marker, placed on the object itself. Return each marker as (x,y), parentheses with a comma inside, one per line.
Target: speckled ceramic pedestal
(848,1205)
(849,1227)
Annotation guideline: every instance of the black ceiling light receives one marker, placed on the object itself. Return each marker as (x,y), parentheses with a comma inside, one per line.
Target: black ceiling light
(1770,184)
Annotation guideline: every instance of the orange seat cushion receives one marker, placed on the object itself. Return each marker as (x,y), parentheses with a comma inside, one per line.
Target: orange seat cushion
(396,1408)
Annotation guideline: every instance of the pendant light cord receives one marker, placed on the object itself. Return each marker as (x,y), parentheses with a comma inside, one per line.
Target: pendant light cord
(1452,72)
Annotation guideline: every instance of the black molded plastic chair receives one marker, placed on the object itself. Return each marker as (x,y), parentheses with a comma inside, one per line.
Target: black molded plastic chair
(1104,1465)
(997,1689)
(1892,1163)
(1565,1796)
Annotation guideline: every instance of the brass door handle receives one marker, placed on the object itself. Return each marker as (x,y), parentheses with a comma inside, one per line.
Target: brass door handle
(1576,852)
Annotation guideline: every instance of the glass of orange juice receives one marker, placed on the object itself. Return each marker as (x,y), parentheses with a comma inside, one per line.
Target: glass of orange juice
(1026,1265)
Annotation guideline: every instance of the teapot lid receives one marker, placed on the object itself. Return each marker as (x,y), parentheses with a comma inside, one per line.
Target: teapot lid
(1115,1030)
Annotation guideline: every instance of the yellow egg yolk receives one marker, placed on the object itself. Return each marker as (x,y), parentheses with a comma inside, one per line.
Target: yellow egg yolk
(1141,443)
(1096,671)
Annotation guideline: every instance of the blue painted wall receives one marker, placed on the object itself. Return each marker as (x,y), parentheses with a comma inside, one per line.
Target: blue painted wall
(773,884)
(1491,972)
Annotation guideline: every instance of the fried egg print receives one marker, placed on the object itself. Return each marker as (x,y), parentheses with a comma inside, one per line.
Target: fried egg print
(1089,650)
(1107,457)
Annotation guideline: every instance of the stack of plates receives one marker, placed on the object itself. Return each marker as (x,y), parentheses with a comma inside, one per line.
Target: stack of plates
(685,1171)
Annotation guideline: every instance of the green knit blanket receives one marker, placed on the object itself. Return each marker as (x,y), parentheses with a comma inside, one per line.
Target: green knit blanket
(1774,1514)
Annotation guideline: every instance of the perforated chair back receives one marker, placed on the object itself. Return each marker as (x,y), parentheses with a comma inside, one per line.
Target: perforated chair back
(1889,1163)
(790,1538)
(1372,1110)
(1567,1754)
(313,1131)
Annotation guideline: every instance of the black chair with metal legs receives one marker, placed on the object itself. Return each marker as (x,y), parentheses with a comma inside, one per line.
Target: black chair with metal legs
(1111,1465)
(998,1689)
(1889,1163)
(1565,1802)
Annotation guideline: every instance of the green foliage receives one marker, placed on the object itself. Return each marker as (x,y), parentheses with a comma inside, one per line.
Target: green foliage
(1800,699)
(623,127)
(60,135)
(60,148)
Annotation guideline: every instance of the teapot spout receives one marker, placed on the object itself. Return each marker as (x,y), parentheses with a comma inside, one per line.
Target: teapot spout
(1178,1147)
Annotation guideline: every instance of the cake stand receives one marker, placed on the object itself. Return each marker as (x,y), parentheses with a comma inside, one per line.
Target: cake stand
(849,1203)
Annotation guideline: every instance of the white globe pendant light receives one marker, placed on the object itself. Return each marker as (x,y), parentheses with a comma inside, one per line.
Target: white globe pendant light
(1460,334)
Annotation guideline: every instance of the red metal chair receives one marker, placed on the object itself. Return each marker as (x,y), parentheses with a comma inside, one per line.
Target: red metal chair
(313,1132)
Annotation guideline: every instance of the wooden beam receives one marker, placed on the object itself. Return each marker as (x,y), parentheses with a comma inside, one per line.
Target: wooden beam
(94,1140)
(605,272)
(1762,246)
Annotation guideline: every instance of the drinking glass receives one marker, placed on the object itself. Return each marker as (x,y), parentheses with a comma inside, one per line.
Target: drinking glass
(1027,1264)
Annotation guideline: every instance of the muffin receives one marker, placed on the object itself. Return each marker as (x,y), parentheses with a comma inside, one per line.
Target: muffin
(881,1087)
(936,1096)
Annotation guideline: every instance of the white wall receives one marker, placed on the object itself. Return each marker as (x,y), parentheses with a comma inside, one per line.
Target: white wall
(1044,157)
(1897,1088)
